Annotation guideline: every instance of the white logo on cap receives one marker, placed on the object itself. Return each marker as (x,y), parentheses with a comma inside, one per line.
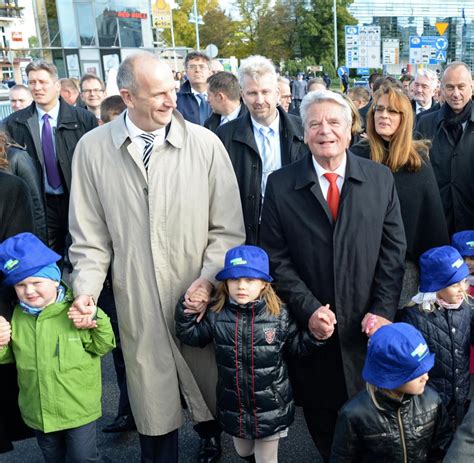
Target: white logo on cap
(457,264)
(238,261)
(420,351)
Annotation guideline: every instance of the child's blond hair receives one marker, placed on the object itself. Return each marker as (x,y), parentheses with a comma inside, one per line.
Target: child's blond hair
(272,301)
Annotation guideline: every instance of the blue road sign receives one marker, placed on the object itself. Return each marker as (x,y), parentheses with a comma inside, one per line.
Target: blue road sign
(428,50)
(341,70)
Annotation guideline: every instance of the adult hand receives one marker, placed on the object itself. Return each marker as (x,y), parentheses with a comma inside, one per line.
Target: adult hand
(197,297)
(371,323)
(5,332)
(321,323)
(82,312)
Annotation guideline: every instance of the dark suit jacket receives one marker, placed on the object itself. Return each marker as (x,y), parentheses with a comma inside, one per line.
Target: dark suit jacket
(355,264)
(187,104)
(239,141)
(453,165)
(214,122)
(73,122)
(434,107)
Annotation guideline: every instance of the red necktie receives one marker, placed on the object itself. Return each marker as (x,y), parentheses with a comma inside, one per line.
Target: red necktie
(333,194)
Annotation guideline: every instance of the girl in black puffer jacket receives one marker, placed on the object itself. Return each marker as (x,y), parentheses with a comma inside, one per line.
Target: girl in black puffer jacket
(251,331)
(396,420)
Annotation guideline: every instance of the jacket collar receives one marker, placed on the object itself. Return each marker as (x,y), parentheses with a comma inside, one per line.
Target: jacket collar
(175,133)
(185,88)
(307,175)
(244,130)
(441,114)
(257,306)
(67,114)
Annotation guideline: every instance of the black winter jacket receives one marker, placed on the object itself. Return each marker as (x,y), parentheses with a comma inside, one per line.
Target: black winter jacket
(449,334)
(413,430)
(254,396)
(453,165)
(239,141)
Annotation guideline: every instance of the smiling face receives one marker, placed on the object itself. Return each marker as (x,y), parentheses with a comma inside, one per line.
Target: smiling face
(44,89)
(386,118)
(37,292)
(245,290)
(261,97)
(415,386)
(150,107)
(457,87)
(327,133)
(92,93)
(453,294)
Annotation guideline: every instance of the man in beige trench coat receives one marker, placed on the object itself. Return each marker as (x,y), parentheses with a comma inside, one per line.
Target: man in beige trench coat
(163,210)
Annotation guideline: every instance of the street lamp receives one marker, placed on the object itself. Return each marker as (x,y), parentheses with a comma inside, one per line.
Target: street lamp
(335,35)
(196,19)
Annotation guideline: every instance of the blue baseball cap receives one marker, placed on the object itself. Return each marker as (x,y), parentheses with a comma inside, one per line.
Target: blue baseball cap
(245,262)
(441,267)
(464,243)
(22,256)
(397,353)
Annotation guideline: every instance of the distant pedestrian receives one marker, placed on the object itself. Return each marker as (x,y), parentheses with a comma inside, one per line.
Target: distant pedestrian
(299,90)
(249,323)
(397,418)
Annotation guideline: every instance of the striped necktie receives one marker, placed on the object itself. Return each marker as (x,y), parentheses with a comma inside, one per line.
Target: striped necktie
(149,139)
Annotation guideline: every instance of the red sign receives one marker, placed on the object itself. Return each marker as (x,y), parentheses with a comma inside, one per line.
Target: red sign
(126,14)
(17,36)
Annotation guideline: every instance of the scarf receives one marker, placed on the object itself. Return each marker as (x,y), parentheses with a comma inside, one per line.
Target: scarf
(454,121)
(35,311)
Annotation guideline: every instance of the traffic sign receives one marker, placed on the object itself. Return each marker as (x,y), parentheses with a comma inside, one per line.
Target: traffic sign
(341,70)
(441,27)
(362,46)
(428,50)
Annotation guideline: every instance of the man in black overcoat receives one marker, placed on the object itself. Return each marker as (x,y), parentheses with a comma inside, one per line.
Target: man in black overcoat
(338,264)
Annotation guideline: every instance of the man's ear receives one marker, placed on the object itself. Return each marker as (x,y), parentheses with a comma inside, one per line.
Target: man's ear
(126,96)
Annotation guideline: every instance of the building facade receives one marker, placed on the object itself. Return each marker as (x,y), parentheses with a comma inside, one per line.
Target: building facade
(402,19)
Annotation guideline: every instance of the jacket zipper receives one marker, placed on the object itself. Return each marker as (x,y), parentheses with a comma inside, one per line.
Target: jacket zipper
(402,436)
(245,359)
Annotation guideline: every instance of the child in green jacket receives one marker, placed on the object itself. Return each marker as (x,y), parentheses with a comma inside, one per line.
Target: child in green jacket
(58,364)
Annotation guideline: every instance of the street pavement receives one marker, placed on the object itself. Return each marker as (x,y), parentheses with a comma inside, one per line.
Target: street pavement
(124,447)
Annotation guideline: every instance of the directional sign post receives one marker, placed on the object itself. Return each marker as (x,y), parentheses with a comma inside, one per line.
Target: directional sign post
(362,46)
(428,50)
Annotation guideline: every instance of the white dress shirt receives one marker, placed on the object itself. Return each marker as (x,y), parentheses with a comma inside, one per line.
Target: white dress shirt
(324,182)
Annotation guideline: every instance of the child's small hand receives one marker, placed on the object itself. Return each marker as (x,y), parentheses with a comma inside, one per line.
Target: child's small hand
(83,319)
(5,332)
(321,323)
(371,323)
(197,297)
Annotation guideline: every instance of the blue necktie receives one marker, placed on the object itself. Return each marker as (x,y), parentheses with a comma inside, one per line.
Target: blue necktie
(149,141)
(268,156)
(50,161)
(203,108)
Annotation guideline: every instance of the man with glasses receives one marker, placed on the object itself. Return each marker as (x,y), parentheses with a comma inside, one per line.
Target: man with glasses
(92,93)
(192,98)
(285,93)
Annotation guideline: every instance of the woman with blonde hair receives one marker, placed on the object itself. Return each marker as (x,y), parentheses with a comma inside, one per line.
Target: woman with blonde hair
(390,142)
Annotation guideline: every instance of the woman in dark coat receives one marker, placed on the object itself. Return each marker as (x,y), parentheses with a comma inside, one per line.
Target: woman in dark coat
(390,142)
(19,163)
(16,216)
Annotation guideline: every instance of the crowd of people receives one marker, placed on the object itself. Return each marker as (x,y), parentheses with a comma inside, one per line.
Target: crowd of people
(252,246)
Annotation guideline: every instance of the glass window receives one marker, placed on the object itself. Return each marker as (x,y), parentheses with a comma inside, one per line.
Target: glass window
(130,32)
(87,32)
(67,24)
(53,25)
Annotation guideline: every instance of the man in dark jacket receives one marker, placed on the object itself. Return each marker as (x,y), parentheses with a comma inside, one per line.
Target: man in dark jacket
(262,141)
(451,131)
(425,85)
(223,93)
(192,98)
(49,129)
(332,226)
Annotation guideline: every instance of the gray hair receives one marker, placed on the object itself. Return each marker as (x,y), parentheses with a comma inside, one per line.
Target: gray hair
(126,76)
(321,96)
(283,80)
(254,67)
(430,75)
(455,65)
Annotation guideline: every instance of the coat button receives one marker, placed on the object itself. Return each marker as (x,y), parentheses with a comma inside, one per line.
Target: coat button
(456,370)
(456,351)
(453,330)
(251,197)
(254,166)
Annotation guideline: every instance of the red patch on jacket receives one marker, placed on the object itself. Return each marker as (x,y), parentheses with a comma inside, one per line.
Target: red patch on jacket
(270,335)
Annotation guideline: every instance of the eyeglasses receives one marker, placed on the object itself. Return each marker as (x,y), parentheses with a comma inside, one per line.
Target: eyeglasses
(92,90)
(391,111)
(285,97)
(194,67)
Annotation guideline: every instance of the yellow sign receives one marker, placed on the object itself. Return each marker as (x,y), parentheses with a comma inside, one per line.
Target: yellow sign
(161,11)
(441,28)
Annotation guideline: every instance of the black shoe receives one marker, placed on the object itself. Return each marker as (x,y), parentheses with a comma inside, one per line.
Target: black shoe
(210,450)
(122,423)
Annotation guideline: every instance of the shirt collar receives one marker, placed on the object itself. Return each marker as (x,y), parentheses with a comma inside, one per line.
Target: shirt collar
(320,171)
(233,115)
(135,131)
(195,93)
(275,125)
(53,113)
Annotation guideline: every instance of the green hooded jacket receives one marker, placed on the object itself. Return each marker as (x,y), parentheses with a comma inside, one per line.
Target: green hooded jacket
(58,366)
